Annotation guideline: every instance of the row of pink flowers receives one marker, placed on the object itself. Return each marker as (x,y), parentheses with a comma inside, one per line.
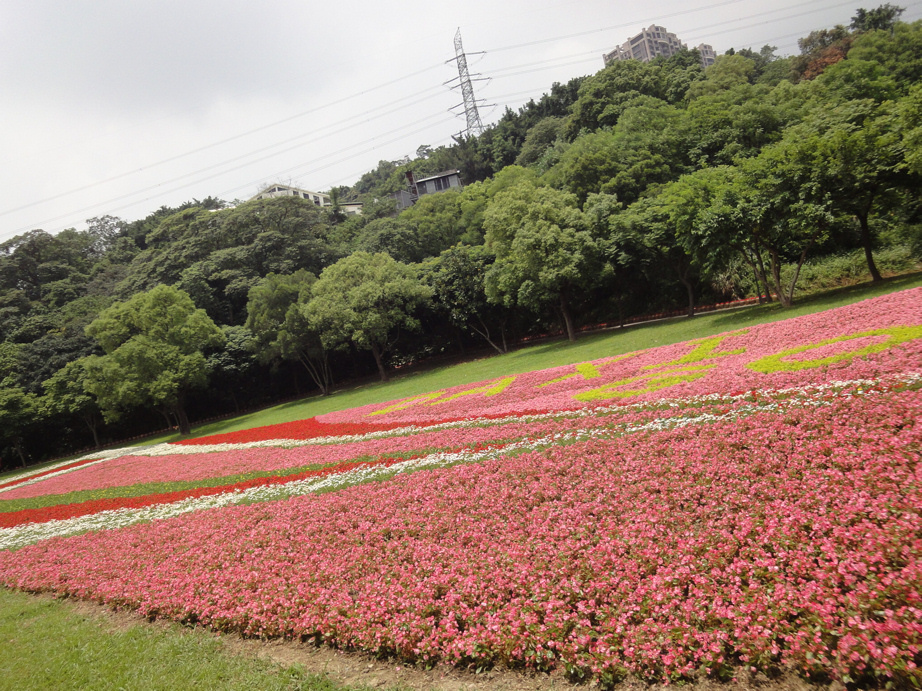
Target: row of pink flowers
(238,462)
(723,364)
(786,539)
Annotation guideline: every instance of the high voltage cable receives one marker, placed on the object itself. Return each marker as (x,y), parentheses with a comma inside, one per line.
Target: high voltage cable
(227,140)
(616,26)
(556,64)
(209,177)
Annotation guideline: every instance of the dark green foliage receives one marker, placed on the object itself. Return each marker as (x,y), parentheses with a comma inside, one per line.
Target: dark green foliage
(640,188)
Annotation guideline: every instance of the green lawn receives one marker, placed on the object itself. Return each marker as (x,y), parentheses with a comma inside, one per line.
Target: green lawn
(552,354)
(47,645)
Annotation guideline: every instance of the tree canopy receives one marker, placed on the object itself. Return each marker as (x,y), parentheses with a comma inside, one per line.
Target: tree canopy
(154,347)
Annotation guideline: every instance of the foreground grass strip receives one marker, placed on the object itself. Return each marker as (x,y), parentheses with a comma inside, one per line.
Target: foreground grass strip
(46,645)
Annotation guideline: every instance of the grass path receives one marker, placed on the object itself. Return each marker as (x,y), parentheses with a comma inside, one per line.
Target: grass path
(552,353)
(49,644)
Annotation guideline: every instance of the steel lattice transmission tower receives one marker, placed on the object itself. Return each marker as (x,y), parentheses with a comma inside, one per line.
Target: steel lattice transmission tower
(474,125)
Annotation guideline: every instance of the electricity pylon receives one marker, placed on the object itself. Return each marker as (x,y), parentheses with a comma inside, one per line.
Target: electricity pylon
(471,114)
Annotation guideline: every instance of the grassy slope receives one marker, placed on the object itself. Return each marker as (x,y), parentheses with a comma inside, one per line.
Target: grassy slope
(552,354)
(48,645)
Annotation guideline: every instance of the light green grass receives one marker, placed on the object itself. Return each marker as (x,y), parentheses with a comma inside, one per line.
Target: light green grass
(46,645)
(552,353)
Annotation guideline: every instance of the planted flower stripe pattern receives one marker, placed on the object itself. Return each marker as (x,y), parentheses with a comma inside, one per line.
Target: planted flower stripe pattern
(752,499)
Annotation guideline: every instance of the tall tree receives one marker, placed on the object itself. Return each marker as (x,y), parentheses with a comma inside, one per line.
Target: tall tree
(365,299)
(545,254)
(276,317)
(66,394)
(154,353)
(457,277)
(883,18)
(849,159)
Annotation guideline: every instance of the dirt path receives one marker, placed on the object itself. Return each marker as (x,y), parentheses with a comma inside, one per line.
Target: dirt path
(357,669)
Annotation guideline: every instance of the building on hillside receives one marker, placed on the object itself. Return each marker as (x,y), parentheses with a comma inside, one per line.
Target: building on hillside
(708,54)
(278,190)
(351,208)
(439,182)
(654,42)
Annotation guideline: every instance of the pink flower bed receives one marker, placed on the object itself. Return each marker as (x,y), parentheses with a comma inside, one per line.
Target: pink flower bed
(132,470)
(786,539)
(722,364)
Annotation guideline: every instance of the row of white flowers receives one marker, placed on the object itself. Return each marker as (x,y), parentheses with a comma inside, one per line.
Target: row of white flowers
(18,536)
(169,449)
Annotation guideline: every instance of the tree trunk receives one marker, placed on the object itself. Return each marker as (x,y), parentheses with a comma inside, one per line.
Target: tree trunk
(761,273)
(319,371)
(185,429)
(17,447)
(485,334)
(376,351)
(567,318)
(803,257)
(776,278)
(90,421)
(459,335)
(691,294)
(866,243)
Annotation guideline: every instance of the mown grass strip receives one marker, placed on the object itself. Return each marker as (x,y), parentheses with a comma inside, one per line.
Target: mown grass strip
(48,645)
(554,353)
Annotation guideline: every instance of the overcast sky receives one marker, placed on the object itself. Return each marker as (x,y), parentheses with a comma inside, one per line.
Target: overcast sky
(115,107)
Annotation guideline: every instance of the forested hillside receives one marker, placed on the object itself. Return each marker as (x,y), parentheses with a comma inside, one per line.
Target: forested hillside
(644,187)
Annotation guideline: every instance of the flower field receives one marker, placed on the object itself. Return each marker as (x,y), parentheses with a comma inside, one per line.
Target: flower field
(748,500)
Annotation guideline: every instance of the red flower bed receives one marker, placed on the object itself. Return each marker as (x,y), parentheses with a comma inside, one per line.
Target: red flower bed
(57,469)
(62,511)
(312,428)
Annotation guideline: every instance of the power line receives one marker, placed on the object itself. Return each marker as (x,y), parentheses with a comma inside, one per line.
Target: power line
(221,142)
(535,66)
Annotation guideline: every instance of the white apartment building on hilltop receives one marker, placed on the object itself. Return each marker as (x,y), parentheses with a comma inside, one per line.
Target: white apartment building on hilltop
(653,42)
(278,190)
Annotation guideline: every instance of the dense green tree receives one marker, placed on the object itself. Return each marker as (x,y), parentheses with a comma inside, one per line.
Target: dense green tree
(232,366)
(651,225)
(393,236)
(882,18)
(720,127)
(643,149)
(457,278)
(762,210)
(218,256)
(846,158)
(276,316)
(154,347)
(365,299)
(909,113)
(538,139)
(729,72)
(21,413)
(898,51)
(855,79)
(437,222)
(545,254)
(66,394)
